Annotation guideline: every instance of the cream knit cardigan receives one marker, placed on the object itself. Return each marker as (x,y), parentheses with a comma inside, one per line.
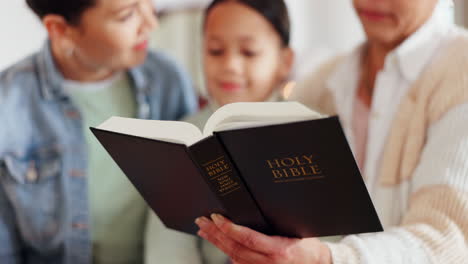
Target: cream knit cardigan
(434,226)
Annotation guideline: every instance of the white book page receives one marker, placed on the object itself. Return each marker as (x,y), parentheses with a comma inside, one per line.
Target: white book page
(169,131)
(228,117)
(245,115)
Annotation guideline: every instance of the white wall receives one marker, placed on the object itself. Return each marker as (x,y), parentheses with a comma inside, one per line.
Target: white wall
(20,32)
(322,29)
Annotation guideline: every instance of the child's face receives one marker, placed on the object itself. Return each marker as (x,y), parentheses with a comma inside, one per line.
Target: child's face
(114,33)
(244,59)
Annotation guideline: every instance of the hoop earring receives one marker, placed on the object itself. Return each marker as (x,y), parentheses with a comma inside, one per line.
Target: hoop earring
(287,89)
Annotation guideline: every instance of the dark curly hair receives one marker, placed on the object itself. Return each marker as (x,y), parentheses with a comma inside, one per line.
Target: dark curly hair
(274,11)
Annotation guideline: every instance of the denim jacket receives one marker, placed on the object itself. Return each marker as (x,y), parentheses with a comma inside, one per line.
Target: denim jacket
(43,155)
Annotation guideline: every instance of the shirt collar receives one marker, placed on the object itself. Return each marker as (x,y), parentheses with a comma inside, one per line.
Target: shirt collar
(50,78)
(139,79)
(412,56)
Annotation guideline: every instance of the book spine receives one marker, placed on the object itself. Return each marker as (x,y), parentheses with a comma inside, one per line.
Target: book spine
(223,179)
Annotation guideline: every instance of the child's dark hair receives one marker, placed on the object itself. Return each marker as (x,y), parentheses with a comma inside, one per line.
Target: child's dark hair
(71,10)
(274,11)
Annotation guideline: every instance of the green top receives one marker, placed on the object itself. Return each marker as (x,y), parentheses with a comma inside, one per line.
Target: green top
(117,211)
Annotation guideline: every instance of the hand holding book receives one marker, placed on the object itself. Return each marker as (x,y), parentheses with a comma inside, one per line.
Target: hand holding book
(244,245)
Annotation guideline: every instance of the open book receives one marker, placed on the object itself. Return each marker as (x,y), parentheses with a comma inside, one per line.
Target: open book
(279,168)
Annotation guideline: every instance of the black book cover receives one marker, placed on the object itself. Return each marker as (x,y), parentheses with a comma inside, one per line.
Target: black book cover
(297,179)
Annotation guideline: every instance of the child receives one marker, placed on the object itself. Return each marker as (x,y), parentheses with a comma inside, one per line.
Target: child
(246,53)
(62,199)
(246,58)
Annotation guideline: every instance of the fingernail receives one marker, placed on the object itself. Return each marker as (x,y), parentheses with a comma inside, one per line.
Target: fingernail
(217,218)
(200,221)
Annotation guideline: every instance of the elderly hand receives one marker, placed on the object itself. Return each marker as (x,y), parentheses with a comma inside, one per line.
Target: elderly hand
(246,246)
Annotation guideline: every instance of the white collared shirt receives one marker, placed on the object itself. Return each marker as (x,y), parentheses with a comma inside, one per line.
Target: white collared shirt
(402,68)
(431,230)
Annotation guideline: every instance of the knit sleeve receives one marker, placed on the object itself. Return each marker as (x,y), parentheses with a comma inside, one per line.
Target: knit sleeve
(312,91)
(434,228)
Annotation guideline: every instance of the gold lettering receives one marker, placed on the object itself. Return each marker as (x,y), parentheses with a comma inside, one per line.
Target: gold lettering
(298,160)
(295,172)
(291,162)
(278,165)
(305,172)
(277,174)
(296,166)
(308,158)
(315,169)
(217,168)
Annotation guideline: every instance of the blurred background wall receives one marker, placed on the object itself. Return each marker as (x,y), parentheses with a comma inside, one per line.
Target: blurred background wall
(320,29)
(20,32)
